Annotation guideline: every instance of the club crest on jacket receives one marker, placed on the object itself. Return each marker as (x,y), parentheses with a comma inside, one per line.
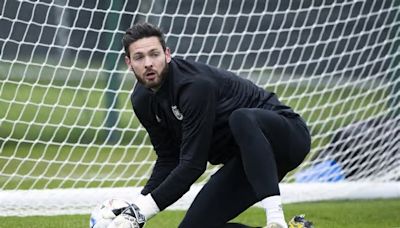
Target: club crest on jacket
(176,112)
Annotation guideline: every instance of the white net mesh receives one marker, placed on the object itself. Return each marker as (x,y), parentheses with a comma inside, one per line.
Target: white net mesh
(66,118)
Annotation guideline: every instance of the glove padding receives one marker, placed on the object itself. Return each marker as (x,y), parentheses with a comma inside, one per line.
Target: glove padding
(128,218)
(104,213)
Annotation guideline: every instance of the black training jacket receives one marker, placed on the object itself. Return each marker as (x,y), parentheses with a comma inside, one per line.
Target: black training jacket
(187,121)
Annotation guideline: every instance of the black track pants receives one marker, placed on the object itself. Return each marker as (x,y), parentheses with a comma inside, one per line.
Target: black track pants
(271,145)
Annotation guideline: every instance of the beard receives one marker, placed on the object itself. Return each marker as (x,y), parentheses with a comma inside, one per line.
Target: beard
(156,84)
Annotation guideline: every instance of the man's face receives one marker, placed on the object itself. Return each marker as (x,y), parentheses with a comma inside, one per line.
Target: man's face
(148,61)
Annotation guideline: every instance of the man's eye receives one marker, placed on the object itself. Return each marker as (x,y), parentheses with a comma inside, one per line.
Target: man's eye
(138,57)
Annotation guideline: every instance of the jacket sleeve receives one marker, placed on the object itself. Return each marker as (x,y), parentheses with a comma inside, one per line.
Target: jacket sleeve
(166,150)
(197,102)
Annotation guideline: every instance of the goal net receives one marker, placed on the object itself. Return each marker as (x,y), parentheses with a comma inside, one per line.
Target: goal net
(69,137)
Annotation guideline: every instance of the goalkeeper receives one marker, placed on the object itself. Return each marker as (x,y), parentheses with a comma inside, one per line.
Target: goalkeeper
(194,114)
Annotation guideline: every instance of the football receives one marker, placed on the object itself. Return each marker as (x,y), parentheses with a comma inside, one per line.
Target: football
(104,213)
(129,218)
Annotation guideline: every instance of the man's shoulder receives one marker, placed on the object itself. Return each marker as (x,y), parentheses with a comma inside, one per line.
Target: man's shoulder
(140,95)
(188,71)
(190,67)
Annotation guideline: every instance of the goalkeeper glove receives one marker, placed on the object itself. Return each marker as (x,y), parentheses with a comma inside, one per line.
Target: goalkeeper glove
(147,206)
(136,214)
(104,213)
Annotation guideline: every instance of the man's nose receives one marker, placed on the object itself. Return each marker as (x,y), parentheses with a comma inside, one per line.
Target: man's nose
(148,63)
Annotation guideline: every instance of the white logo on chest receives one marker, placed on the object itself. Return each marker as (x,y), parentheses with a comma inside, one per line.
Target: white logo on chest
(176,112)
(158,119)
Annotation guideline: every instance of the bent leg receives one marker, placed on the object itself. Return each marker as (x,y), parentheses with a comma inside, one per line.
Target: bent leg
(257,153)
(270,146)
(223,197)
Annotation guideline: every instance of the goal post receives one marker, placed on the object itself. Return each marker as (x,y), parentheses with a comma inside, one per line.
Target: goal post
(68,134)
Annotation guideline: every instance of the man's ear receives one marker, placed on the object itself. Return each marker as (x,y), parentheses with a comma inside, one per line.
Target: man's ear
(168,55)
(128,62)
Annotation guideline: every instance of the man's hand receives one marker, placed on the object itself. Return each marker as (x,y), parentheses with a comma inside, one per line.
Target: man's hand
(115,213)
(104,213)
(136,214)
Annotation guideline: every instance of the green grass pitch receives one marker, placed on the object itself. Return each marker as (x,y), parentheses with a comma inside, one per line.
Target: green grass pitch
(340,214)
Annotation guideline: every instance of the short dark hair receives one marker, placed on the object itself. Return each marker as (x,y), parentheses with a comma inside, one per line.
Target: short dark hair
(139,31)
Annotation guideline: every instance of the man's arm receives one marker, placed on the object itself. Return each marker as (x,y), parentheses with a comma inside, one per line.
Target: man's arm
(197,102)
(167,155)
(162,168)
(166,149)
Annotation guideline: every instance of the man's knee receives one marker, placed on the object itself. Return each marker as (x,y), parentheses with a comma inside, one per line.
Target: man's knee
(240,120)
